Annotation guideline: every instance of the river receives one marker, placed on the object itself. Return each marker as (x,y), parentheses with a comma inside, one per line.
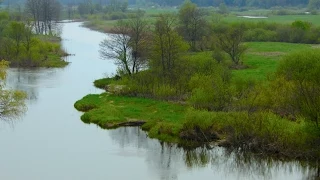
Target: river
(50,142)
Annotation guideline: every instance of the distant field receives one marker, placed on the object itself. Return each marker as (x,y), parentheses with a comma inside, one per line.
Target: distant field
(286,19)
(263,58)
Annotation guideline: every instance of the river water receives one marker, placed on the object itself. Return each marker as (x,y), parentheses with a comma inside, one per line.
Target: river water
(50,142)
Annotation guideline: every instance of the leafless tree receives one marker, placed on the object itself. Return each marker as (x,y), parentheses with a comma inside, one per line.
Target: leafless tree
(117,47)
(44,13)
(128,45)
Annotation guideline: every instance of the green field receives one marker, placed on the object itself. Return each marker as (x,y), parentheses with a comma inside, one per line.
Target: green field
(262,58)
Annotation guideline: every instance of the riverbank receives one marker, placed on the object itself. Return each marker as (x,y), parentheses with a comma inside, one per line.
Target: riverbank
(50,54)
(262,132)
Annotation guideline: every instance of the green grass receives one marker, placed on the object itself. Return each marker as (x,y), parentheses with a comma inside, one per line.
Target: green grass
(53,61)
(117,109)
(102,83)
(275,47)
(262,58)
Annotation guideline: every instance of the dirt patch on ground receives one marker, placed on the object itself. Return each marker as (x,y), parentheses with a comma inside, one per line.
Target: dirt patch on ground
(269,54)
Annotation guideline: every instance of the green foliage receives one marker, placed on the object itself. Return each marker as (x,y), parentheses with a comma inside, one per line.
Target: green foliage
(301,25)
(89,102)
(104,82)
(301,70)
(210,92)
(260,34)
(264,132)
(192,24)
(12,101)
(22,48)
(223,9)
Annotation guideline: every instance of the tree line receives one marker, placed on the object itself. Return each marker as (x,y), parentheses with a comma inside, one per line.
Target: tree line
(202,3)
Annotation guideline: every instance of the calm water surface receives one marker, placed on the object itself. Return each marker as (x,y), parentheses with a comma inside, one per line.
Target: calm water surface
(50,142)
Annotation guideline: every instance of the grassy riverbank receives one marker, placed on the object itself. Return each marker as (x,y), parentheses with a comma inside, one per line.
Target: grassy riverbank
(269,130)
(260,132)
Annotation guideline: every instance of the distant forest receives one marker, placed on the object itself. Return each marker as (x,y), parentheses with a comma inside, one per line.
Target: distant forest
(239,3)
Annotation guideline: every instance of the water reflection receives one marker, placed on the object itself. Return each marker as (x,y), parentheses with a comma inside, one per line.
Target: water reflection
(167,161)
(30,80)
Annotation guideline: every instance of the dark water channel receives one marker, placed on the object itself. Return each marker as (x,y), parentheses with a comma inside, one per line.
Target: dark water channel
(50,142)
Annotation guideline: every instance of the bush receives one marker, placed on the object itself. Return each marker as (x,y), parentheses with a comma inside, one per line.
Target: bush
(117,15)
(301,71)
(259,34)
(261,132)
(165,91)
(209,92)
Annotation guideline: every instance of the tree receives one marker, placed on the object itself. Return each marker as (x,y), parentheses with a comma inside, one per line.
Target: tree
(11,101)
(117,47)
(230,40)
(44,14)
(128,45)
(314,4)
(192,23)
(16,31)
(167,46)
(139,42)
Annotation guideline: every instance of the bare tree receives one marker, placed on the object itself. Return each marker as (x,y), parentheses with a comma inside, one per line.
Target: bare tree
(33,7)
(117,47)
(44,13)
(128,45)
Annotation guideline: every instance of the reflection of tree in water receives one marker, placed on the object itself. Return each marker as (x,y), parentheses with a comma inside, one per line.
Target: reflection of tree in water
(28,80)
(168,160)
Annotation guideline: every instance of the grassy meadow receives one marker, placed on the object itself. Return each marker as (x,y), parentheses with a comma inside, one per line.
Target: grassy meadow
(262,58)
